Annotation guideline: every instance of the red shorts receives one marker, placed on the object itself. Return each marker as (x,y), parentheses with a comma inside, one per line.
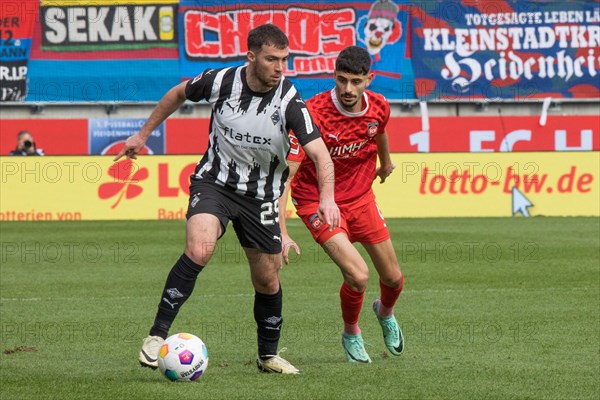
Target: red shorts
(361,220)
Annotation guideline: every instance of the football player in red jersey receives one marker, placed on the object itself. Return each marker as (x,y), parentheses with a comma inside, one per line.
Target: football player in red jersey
(352,121)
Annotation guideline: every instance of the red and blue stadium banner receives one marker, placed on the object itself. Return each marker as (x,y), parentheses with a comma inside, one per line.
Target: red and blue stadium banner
(213,35)
(101,50)
(135,50)
(178,136)
(502,49)
(17,20)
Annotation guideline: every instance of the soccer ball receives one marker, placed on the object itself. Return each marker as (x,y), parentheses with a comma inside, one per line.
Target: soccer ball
(183,357)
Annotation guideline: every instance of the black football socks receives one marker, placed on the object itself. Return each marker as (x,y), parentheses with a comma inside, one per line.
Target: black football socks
(267,313)
(178,288)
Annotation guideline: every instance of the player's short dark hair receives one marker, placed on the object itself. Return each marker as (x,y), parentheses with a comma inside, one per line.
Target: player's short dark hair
(268,35)
(353,60)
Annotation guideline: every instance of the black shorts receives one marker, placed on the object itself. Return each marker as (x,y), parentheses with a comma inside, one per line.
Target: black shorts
(256,222)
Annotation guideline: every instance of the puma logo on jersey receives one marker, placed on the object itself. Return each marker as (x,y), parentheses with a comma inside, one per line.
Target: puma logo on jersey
(336,137)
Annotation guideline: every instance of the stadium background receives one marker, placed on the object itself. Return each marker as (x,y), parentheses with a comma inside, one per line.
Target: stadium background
(495,105)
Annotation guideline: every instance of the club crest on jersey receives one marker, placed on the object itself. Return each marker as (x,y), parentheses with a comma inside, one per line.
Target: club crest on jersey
(372,128)
(315,222)
(275,117)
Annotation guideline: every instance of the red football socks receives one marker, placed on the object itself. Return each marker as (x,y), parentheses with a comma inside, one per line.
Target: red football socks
(351,302)
(388,298)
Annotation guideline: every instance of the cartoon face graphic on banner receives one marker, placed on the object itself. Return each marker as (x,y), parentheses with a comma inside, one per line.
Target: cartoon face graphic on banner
(382,26)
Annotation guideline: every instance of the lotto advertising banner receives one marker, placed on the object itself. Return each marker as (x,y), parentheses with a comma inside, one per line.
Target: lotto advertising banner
(17,20)
(423,185)
(506,49)
(213,35)
(42,188)
(491,185)
(100,50)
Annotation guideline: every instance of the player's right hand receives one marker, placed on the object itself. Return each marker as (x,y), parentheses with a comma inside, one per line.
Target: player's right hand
(329,212)
(287,244)
(133,146)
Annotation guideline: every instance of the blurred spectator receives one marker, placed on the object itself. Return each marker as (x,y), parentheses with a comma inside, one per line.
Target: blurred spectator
(26,146)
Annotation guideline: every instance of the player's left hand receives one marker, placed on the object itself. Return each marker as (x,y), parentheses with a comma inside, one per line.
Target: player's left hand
(384,171)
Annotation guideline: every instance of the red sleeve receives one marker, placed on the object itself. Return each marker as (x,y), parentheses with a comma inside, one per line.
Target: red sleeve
(296,151)
(385,109)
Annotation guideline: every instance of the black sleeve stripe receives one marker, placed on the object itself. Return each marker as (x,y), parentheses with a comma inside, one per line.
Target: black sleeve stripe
(299,120)
(285,88)
(306,139)
(200,87)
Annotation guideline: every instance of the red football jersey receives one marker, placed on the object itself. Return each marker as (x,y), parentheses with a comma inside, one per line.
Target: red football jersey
(350,138)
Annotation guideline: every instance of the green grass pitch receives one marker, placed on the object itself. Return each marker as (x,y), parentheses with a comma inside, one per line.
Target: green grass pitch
(492,308)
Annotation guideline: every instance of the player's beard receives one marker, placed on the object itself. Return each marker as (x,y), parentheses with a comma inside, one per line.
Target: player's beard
(263,78)
(346,102)
(266,78)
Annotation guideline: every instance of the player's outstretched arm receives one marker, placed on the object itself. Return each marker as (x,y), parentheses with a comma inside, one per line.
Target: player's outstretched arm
(169,103)
(287,242)
(328,209)
(386,166)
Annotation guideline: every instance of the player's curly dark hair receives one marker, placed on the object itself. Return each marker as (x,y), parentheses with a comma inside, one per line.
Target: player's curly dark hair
(268,35)
(353,60)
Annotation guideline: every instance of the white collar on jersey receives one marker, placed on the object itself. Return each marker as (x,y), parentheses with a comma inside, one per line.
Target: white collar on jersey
(348,113)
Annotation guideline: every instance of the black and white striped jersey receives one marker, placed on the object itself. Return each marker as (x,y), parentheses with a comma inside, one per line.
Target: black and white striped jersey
(248,139)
